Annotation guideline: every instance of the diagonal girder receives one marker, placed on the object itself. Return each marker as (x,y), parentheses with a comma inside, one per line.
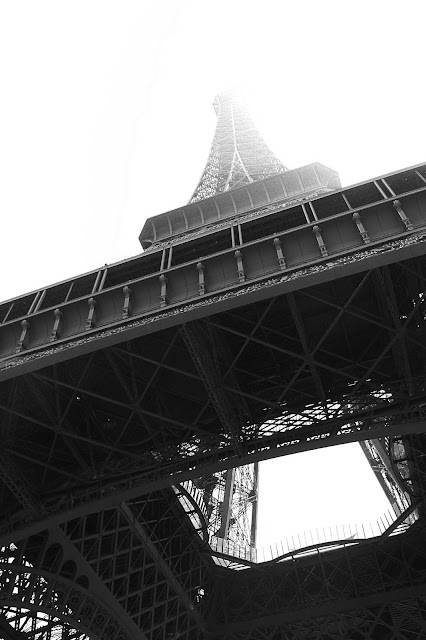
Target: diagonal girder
(17,482)
(7,631)
(54,416)
(136,401)
(388,293)
(205,360)
(304,341)
(233,412)
(166,570)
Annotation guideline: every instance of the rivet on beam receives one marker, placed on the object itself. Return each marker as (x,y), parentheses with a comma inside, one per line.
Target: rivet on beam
(280,255)
(357,219)
(126,307)
(240,266)
(201,282)
(163,292)
(54,333)
(25,326)
(90,322)
(317,233)
(400,211)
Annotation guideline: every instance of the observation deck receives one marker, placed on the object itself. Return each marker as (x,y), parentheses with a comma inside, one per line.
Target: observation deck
(241,203)
(280,248)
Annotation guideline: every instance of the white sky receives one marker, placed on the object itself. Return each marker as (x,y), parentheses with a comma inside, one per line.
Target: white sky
(106,116)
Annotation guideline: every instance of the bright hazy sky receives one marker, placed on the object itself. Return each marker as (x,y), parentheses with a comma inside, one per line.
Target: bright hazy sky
(106,113)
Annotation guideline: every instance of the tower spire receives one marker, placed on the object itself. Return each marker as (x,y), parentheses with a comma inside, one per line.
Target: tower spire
(238,154)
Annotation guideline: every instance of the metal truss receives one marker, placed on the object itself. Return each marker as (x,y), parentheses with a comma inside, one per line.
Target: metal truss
(43,595)
(143,554)
(373,592)
(135,405)
(132,418)
(379,453)
(205,356)
(238,154)
(229,504)
(140,559)
(16,481)
(230,496)
(239,263)
(140,417)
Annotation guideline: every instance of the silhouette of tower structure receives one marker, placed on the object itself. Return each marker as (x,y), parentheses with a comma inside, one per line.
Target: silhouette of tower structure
(238,154)
(274,313)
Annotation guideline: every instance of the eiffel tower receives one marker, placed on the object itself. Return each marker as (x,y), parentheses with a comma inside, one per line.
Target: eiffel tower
(274,313)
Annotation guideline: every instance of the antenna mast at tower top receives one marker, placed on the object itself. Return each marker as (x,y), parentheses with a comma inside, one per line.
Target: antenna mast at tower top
(238,154)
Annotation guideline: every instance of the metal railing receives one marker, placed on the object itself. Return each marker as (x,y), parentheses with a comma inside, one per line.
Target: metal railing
(390,523)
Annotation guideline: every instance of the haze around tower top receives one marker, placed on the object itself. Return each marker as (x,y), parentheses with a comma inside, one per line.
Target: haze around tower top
(106,114)
(107,117)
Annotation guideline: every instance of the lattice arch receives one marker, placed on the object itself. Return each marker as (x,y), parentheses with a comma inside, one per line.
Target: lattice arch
(42,604)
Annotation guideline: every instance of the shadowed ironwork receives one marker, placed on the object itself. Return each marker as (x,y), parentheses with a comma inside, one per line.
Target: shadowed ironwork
(284,319)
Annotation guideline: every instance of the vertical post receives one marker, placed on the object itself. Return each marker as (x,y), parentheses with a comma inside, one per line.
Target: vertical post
(8,313)
(169,262)
(39,301)
(280,255)
(311,207)
(20,345)
(391,191)
(317,233)
(34,303)
(254,505)
(104,275)
(305,213)
(126,307)
(240,266)
(163,259)
(163,291)
(227,504)
(201,283)
(54,333)
(90,322)
(97,281)
(357,219)
(346,201)
(379,188)
(69,292)
(400,211)
(240,234)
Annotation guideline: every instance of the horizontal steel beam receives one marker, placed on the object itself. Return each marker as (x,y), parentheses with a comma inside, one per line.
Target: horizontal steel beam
(96,321)
(331,608)
(266,448)
(288,191)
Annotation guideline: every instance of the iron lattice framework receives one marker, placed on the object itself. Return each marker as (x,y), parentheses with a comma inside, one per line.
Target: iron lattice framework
(230,496)
(271,319)
(238,154)
(357,593)
(108,575)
